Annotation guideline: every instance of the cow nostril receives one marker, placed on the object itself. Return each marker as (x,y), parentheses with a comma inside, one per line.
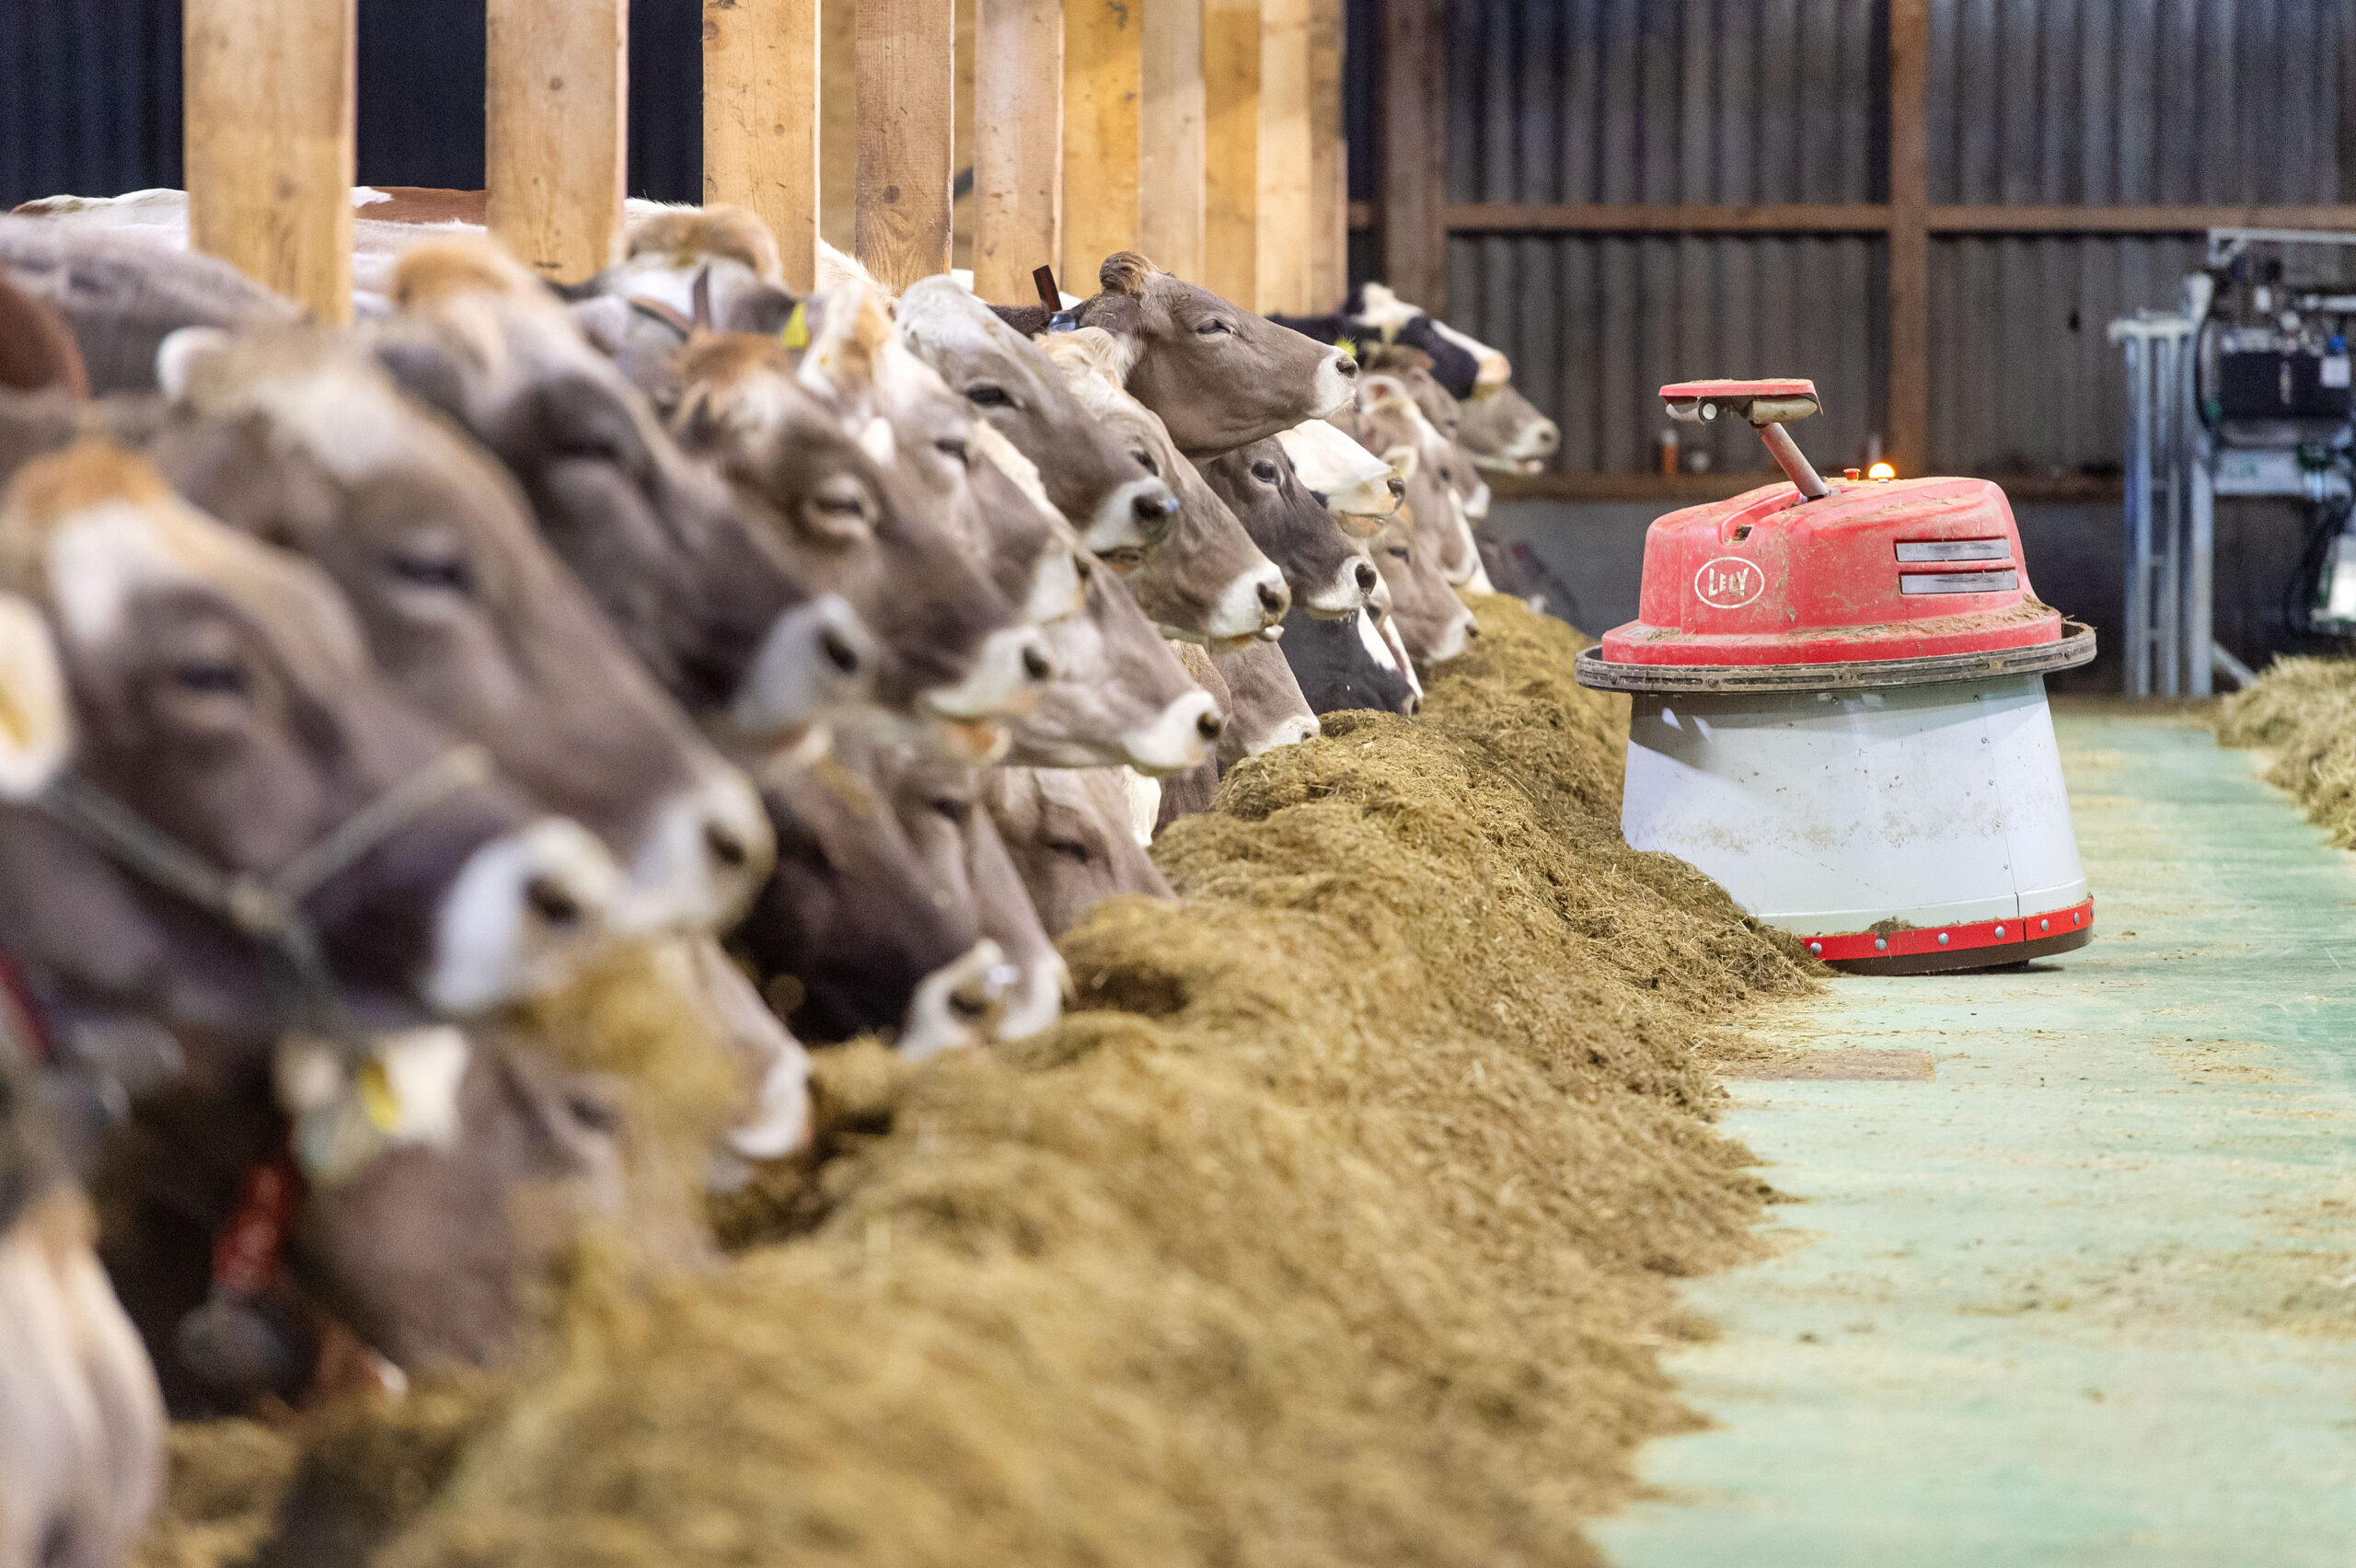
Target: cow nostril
(1398,489)
(726,845)
(1271,598)
(1414,704)
(1346,365)
(552,901)
(1472,633)
(1209,725)
(1036,664)
(1366,576)
(1148,507)
(838,652)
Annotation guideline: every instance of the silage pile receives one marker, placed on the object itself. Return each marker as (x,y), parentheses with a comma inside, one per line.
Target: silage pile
(1333,1227)
(2304,712)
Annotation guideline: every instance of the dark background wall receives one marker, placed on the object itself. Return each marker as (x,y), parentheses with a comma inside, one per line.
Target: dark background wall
(90,96)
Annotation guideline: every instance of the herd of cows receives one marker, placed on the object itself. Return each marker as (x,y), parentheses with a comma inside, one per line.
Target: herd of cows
(357,682)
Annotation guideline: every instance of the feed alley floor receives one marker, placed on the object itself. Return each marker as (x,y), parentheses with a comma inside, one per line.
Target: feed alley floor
(2073,1274)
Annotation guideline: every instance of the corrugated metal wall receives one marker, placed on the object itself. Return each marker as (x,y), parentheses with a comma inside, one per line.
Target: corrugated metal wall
(1732,102)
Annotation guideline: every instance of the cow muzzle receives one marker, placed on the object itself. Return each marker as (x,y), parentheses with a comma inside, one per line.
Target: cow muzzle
(1179,737)
(1252,603)
(1004,682)
(1137,516)
(1346,594)
(953,1007)
(817,658)
(524,910)
(707,852)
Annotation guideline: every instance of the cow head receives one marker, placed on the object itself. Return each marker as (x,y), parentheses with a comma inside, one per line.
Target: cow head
(1207,582)
(1265,706)
(1430,466)
(216,694)
(1219,376)
(300,440)
(707,599)
(1504,433)
(1087,474)
(1328,571)
(1120,696)
(1348,663)
(947,649)
(1432,623)
(1069,834)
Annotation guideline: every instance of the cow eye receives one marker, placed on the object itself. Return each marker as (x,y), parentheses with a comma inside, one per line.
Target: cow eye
(212,677)
(1448,475)
(1398,552)
(955,810)
(1070,849)
(986,396)
(1265,471)
(952,448)
(1211,327)
(841,506)
(445,572)
(1147,459)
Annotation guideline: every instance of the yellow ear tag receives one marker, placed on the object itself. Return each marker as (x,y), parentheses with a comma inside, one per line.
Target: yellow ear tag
(795,333)
(1348,346)
(378,1098)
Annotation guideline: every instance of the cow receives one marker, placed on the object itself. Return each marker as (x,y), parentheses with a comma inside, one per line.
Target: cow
(82,1457)
(298,437)
(1207,582)
(123,294)
(1434,625)
(1394,429)
(1069,833)
(1121,697)
(209,790)
(1266,706)
(1357,488)
(1328,571)
(1111,493)
(703,595)
(950,654)
(1219,376)
(1348,663)
(682,267)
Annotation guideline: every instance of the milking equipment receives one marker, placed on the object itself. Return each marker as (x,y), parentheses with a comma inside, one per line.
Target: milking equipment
(2243,391)
(1840,709)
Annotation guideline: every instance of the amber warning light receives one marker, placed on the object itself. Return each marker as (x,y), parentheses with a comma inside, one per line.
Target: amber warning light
(1881,471)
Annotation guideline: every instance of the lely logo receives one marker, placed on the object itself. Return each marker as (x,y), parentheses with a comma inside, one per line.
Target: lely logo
(1728,583)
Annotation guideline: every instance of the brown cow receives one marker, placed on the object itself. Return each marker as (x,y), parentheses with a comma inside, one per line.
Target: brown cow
(1069,833)
(1219,376)
(1329,572)
(294,436)
(1109,492)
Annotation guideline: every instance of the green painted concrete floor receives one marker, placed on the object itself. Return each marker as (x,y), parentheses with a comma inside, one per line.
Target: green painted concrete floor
(2088,1295)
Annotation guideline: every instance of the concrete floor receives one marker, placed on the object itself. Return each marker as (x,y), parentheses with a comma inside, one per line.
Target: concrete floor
(2086,1293)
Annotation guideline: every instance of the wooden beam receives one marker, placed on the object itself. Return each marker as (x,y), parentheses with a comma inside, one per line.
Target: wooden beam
(1232,139)
(1414,158)
(268,90)
(837,121)
(1688,489)
(556,131)
(1018,146)
(1513,217)
(760,120)
(1906,426)
(2134,220)
(1104,100)
(1170,160)
(908,83)
(1329,161)
(1282,235)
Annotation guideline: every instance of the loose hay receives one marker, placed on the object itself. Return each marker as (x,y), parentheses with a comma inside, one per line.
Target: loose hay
(1333,1227)
(2305,710)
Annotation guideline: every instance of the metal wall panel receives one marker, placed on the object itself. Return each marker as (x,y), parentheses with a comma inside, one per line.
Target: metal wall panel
(1736,101)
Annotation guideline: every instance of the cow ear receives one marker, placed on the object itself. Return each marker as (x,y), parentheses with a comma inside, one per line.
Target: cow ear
(36,720)
(1404,459)
(1124,273)
(426,371)
(180,354)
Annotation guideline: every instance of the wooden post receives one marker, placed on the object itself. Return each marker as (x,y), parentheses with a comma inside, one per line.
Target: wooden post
(1231,140)
(1329,162)
(268,89)
(1414,152)
(1103,98)
(1283,235)
(1018,146)
(1906,432)
(556,131)
(760,120)
(908,85)
(1171,161)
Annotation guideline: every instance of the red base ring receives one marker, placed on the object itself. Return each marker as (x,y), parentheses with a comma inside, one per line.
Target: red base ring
(1983,944)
